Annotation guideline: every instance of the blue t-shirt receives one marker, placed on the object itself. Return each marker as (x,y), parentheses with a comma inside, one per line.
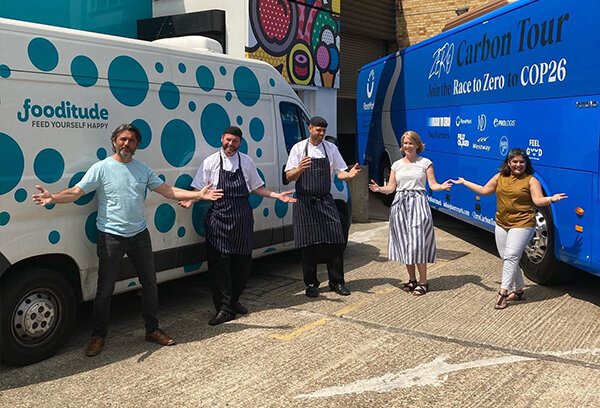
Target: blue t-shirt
(121,190)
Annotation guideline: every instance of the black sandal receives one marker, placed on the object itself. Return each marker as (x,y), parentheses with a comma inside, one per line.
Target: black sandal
(502,301)
(517,296)
(421,289)
(409,286)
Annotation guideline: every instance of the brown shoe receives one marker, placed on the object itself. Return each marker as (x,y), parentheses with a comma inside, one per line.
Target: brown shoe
(158,336)
(95,346)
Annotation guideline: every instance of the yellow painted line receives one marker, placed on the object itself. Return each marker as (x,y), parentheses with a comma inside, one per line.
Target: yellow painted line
(297,332)
(354,306)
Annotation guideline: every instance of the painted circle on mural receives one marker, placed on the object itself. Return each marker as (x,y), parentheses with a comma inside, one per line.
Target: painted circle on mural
(145,131)
(300,65)
(181,67)
(255,199)
(4,218)
(159,67)
(281,209)
(21,195)
(199,211)
(12,163)
(223,70)
(54,237)
(322,57)
(335,59)
(169,95)
(49,165)
(323,25)
(185,182)
(327,36)
(192,106)
(213,121)
(4,71)
(164,217)
(83,200)
(91,231)
(181,232)
(205,78)
(84,71)
(339,184)
(274,24)
(259,152)
(239,120)
(246,86)
(257,129)
(101,153)
(42,54)
(128,81)
(178,143)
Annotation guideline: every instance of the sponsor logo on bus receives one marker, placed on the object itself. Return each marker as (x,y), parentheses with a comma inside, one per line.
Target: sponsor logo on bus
(481,122)
(461,140)
(505,122)
(534,150)
(439,121)
(463,121)
(503,145)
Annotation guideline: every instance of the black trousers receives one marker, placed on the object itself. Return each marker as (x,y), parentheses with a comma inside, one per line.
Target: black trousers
(229,274)
(330,254)
(111,249)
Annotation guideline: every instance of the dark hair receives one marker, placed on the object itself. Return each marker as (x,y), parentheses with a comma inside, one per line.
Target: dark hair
(233,130)
(124,127)
(505,167)
(318,121)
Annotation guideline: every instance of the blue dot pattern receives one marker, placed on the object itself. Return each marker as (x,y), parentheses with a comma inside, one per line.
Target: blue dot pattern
(101,153)
(164,217)
(213,121)
(159,67)
(12,163)
(222,70)
(239,120)
(246,86)
(192,267)
(128,81)
(228,96)
(181,232)
(255,199)
(4,71)
(181,67)
(83,200)
(49,165)
(199,211)
(91,231)
(54,237)
(84,71)
(259,152)
(281,209)
(20,195)
(184,182)
(257,129)
(266,212)
(145,131)
(178,143)
(50,206)
(192,106)
(4,218)
(339,184)
(169,95)
(42,54)
(205,78)
(271,82)
(244,146)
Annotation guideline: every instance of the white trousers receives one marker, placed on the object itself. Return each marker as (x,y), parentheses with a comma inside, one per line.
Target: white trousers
(511,243)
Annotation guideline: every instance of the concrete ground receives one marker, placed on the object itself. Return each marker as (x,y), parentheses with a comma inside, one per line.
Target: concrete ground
(379,347)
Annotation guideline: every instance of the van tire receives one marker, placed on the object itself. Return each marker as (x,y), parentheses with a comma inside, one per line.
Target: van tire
(385,167)
(25,295)
(538,261)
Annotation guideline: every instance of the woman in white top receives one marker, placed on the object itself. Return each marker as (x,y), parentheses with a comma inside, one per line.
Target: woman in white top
(412,239)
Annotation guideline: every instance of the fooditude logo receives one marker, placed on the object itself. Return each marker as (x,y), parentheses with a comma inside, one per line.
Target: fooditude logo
(63,110)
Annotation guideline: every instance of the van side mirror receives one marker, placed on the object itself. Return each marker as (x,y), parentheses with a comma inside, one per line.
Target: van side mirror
(333,139)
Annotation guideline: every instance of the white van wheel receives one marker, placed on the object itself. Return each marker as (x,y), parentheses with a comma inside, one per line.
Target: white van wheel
(39,314)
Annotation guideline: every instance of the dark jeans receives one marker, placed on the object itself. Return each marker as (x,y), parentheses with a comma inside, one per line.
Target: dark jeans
(111,249)
(229,275)
(330,254)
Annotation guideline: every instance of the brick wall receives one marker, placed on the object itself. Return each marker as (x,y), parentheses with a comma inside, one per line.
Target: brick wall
(419,19)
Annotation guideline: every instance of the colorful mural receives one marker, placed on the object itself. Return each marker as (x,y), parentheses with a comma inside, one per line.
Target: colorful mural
(300,38)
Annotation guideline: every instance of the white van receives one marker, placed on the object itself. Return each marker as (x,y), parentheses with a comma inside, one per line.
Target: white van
(62,93)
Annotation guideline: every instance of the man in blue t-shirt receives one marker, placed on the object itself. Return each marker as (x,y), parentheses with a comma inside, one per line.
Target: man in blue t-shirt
(121,183)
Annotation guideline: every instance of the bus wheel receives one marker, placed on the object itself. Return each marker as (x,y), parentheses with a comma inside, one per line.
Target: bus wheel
(38,315)
(538,261)
(385,169)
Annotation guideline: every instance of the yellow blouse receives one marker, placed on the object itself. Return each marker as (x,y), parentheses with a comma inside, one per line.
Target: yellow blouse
(514,204)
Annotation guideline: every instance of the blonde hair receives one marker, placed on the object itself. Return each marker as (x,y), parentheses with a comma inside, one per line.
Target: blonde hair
(415,138)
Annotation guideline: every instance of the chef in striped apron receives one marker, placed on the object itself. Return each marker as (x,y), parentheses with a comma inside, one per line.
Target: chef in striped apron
(229,222)
(318,231)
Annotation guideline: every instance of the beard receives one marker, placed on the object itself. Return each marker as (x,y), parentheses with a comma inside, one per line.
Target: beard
(230,150)
(124,153)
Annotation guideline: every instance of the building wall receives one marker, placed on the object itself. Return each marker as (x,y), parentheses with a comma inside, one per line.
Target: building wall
(418,20)
(116,17)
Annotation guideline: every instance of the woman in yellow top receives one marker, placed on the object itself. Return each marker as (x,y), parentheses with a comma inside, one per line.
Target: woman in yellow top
(517,191)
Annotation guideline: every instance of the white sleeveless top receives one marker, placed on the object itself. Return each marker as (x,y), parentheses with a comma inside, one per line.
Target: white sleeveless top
(411,176)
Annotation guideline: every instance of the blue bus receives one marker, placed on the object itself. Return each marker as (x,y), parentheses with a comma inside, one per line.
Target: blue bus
(524,75)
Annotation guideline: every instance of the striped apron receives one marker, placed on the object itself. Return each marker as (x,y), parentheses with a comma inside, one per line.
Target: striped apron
(229,221)
(316,219)
(412,238)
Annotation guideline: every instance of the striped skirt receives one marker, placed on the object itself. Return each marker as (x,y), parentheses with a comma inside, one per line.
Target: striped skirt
(412,238)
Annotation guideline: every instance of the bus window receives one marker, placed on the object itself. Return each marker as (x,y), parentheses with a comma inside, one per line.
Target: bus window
(293,130)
